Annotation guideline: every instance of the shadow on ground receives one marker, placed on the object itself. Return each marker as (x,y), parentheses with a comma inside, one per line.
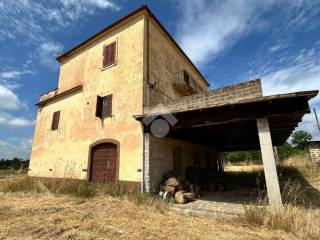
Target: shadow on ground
(248,187)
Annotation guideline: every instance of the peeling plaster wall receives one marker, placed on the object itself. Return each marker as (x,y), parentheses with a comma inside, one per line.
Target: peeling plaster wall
(66,151)
(164,61)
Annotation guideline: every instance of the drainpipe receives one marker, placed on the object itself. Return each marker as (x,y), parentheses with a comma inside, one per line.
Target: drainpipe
(148,96)
(148,74)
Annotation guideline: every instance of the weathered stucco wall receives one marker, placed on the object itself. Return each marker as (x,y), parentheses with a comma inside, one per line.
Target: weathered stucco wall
(159,158)
(165,60)
(66,151)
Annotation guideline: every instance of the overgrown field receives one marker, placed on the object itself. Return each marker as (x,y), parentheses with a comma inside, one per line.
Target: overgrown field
(38,208)
(40,216)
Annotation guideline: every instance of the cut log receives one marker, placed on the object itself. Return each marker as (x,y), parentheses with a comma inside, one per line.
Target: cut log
(172,182)
(167,196)
(169,189)
(190,197)
(180,197)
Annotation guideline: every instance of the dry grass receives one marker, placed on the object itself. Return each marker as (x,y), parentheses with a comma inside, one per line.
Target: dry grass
(39,216)
(75,188)
(34,208)
(301,222)
(300,214)
(11,173)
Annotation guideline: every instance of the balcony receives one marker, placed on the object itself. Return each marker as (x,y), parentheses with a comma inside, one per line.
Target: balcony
(185,84)
(56,94)
(48,95)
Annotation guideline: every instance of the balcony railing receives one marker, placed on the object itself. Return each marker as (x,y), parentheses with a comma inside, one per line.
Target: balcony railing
(49,94)
(56,94)
(184,83)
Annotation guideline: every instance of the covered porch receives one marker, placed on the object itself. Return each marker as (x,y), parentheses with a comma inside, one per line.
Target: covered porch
(250,124)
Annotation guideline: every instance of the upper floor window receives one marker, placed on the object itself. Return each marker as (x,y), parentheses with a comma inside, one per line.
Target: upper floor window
(109,54)
(104,106)
(55,120)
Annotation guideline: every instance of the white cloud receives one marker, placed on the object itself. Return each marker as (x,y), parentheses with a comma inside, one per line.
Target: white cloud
(11,121)
(10,74)
(47,52)
(207,29)
(34,20)
(8,100)
(300,72)
(83,4)
(10,78)
(309,124)
(291,72)
(15,147)
(277,47)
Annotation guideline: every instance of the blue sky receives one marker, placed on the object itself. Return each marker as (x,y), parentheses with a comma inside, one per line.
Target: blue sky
(230,41)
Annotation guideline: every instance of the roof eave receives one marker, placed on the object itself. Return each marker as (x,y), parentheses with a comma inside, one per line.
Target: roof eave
(140,9)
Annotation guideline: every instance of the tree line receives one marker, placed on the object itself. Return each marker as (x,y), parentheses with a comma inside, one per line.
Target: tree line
(15,164)
(296,145)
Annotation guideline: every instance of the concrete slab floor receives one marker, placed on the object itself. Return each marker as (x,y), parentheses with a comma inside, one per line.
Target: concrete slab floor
(224,204)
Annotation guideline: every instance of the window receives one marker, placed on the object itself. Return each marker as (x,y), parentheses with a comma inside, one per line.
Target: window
(55,120)
(104,106)
(109,55)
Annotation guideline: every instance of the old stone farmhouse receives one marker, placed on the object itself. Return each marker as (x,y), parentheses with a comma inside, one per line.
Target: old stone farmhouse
(130,105)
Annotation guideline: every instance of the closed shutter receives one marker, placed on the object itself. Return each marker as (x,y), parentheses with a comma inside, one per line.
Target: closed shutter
(55,120)
(109,54)
(112,59)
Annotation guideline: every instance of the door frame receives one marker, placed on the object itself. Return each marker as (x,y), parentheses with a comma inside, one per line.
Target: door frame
(117,143)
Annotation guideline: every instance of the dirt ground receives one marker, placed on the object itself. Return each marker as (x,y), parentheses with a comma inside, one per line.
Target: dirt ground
(35,216)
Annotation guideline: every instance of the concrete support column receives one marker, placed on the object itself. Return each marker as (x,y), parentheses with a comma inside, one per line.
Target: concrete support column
(276,156)
(269,164)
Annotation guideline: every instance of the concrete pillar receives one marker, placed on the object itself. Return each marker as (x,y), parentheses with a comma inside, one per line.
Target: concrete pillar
(146,163)
(276,156)
(269,164)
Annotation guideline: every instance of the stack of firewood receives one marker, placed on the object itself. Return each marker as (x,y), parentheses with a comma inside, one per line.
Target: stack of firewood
(182,191)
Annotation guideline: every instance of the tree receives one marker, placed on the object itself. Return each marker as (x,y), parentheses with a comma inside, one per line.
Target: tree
(300,139)
(285,151)
(240,156)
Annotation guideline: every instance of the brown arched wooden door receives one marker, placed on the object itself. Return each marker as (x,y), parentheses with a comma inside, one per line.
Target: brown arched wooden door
(103,167)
